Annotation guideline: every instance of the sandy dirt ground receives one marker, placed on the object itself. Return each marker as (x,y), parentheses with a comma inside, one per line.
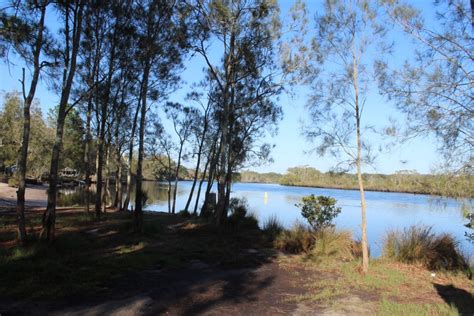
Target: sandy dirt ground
(35,195)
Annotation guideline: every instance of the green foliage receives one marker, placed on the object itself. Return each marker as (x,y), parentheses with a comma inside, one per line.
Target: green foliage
(319,211)
(299,239)
(421,245)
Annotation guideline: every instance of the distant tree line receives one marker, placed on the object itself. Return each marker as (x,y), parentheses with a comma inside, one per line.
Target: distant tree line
(453,185)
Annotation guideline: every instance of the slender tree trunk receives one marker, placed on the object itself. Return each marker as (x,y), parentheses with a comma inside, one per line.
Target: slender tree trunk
(203,177)
(87,154)
(212,174)
(28,100)
(107,178)
(221,185)
(196,171)
(100,164)
(49,216)
(365,251)
(364,244)
(118,181)
(176,176)
(138,216)
(168,178)
(130,156)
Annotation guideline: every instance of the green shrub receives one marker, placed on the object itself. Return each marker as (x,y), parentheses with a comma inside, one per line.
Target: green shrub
(319,211)
(299,239)
(421,245)
(272,228)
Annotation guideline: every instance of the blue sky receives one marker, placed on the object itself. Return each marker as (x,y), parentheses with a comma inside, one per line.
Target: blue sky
(290,146)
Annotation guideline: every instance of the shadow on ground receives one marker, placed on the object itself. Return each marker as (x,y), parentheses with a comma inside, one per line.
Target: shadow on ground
(462,300)
(177,267)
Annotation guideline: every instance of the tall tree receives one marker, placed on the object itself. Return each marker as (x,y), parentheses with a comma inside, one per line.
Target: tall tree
(200,131)
(26,32)
(71,11)
(245,79)
(162,37)
(340,76)
(182,118)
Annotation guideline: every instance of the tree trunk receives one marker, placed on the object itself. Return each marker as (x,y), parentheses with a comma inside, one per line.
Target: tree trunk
(176,176)
(22,161)
(49,216)
(130,157)
(138,216)
(100,164)
(364,244)
(118,181)
(107,178)
(87,154)
(200,187)
(211,176)
(196,171)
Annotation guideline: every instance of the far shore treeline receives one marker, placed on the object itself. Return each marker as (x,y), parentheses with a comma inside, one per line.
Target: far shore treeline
(406,181)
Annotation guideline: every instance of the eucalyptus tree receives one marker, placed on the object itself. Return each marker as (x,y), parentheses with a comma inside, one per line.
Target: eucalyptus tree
(338,69)
(434,86)
(23,29)
(162,38)
(71,12)
(183,119)
(162,149)
(245,77)
(118,25)
(200,130)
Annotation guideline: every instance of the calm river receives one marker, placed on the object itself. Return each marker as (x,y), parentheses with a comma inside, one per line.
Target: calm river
(385,211)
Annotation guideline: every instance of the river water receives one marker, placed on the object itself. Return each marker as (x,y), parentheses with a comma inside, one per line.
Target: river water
(385,211)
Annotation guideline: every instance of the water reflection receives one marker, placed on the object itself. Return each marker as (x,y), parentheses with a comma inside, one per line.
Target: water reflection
(384,210)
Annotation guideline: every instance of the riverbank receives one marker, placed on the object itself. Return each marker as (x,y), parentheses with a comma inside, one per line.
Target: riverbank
(35,195)
(187,266)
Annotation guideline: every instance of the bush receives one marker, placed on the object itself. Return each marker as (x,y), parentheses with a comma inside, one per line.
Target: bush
(238,208)
(319,211)
(299,239)
(272,228)
(184,213)
(332,243)
(421,245)
(239,216)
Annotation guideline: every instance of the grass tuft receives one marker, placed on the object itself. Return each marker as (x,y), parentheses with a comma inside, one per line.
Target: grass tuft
(272,227)
(299,239)
(418,244)
(333,243)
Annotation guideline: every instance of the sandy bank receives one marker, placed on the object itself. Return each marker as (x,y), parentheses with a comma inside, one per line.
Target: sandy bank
(35,195)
